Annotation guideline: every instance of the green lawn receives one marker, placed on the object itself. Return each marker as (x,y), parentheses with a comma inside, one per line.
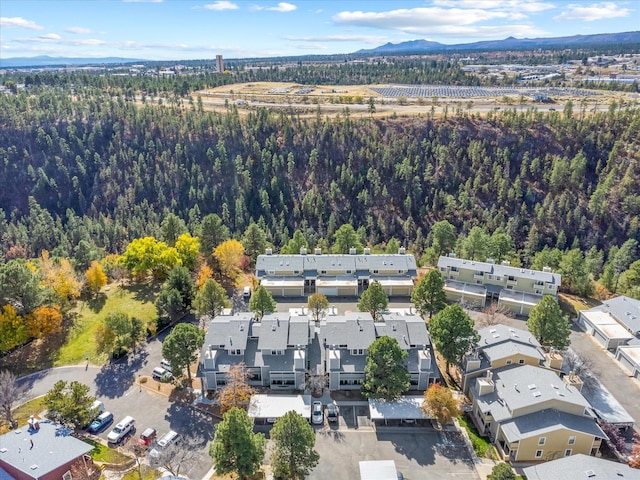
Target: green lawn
(480,444)
(135,300)
(102,453)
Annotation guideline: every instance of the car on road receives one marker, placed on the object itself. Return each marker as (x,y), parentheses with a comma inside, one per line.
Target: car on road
(332,412)
(101,421)
(147,437)
(121,430)
(317,416)
(167,439)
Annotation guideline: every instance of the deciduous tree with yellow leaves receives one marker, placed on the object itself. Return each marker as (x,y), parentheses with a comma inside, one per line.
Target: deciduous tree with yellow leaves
(43,321)
(13,331)
(95,277)
(229,255)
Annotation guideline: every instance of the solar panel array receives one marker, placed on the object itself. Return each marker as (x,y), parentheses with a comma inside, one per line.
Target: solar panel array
(460,91)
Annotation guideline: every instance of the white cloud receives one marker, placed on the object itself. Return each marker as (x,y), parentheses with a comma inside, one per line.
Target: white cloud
(416,19)
(50,36)
(530,6)
(281,7)
(444,21)
(310,46)
(78,30)
(590,13)
(19,22)
(372,39)
(221,5)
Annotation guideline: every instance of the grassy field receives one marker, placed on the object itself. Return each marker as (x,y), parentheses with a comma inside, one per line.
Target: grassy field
(135,300)
(572,304)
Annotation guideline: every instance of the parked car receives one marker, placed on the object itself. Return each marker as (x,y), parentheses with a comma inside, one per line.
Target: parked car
(165,364)
(121,430)
(161,374)
(101,421)
(246,293)
(317,416)
(147,437)
(332,412)
(167,439)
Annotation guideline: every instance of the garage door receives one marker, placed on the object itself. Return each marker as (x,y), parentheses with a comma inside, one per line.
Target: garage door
(626,363)
(328,292)
(602,340)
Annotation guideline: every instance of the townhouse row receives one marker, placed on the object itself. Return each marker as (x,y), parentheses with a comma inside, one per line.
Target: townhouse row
(284,350)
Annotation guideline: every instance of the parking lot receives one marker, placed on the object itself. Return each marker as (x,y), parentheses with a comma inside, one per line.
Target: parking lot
(419,453)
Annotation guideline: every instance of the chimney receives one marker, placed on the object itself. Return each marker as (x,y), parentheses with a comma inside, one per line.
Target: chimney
(269,251)
(506,263)
(452,255)
(303,250)
(402,251)
(490,260)
(352,250)
(318,251)
(546,269)
(367,251)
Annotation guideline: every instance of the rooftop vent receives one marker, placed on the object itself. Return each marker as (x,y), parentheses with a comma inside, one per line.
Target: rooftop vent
(273,327)
(241,327)
(536,394)
(393,327)
(402,251)
(361,328)
(3,450)
(33,467)
(230,341)
(532,386)
(590,473)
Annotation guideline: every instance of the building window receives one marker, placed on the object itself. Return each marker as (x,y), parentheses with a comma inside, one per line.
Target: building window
(539,283)
(521,361)
(277,352)
(443,269)
(499,278)
(539,453)
(221,382)
(509,361)
(376,271)
(358,351)
(348,272)
(323,272)
(542,440)
(509,287)
(479,282)
(271,272)
(490,277)
(511,278)
(572,440)
(453,269)
(235,352)
(550,286)
(538,292)
(400,272)
(568,452)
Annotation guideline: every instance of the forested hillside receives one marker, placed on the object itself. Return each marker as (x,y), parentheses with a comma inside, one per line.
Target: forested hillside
(90,165)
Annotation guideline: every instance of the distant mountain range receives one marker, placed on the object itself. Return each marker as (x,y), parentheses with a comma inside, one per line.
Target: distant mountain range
(510,43)
(47,61)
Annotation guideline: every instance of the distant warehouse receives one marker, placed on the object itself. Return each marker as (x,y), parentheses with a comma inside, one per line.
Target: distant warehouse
(336,275)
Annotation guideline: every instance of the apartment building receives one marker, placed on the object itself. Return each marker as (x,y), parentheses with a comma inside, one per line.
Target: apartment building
(515,289)
(500,346)
(346,338)
(273,350)
(533,415)
(335,275)
(282,349)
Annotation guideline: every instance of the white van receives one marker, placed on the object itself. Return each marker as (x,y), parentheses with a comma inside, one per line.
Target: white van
(167,439)
(97,407)
(246,293)
(121,430)
(165,364)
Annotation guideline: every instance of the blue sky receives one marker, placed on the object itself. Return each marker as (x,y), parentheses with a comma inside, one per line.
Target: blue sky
(184,29)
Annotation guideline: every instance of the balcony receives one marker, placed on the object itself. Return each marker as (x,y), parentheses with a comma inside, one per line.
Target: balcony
(512,283)
(478,276)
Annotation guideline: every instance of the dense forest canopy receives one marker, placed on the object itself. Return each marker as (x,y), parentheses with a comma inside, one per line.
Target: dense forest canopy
(89,164)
